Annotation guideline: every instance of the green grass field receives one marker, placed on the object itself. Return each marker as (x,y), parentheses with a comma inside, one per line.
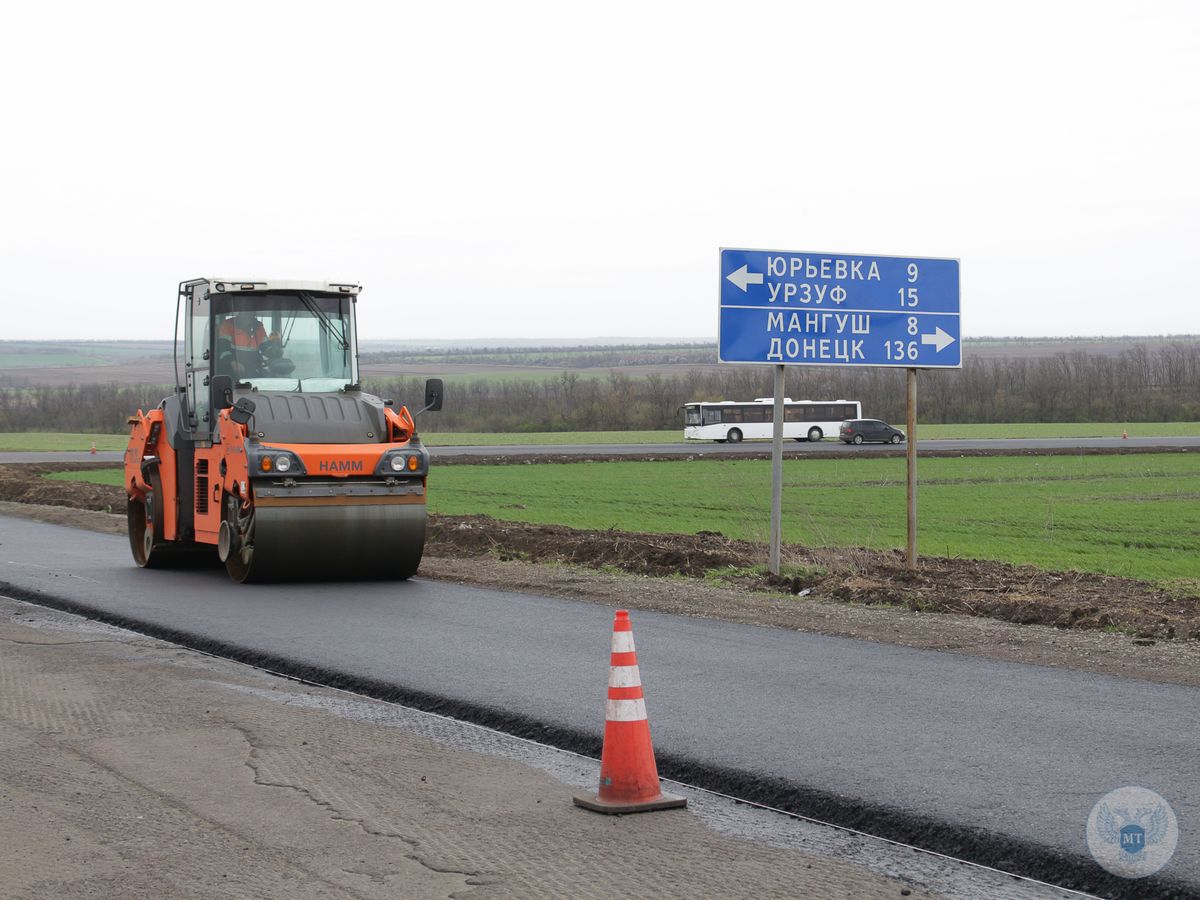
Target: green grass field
(493,374)
(1055,429)
(115,477)
(20,360)
(1120,515)
(477,438)
(38,441)
(34,354)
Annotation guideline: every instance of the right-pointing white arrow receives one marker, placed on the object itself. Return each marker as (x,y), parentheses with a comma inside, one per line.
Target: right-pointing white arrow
(939,339)
(742,277)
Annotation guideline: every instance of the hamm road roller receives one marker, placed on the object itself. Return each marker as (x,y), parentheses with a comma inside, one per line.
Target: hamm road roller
(269,453)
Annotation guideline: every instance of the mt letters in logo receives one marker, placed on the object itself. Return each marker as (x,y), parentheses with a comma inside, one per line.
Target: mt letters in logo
(1132,832)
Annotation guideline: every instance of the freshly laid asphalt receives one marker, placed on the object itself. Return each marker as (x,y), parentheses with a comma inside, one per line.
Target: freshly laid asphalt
(992,761)
(703,448)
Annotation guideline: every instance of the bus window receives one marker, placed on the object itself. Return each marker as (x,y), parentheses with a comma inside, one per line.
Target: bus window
(691,415)
(712,416)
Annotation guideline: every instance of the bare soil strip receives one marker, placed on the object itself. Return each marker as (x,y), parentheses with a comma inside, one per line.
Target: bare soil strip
(1098,623)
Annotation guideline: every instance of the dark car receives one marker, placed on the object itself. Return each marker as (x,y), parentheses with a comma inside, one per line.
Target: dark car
(862,431)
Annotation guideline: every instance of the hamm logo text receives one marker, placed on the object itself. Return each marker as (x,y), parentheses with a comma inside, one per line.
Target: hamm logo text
(341,465)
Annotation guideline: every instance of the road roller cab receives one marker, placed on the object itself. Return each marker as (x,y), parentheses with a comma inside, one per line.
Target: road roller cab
(269,454)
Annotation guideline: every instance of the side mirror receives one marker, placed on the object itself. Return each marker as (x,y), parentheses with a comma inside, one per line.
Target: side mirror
(242,411)
(222,391)
(433,394)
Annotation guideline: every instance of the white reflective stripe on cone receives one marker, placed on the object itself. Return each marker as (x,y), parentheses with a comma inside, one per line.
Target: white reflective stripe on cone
(622,642)
(624,677)
(625,711)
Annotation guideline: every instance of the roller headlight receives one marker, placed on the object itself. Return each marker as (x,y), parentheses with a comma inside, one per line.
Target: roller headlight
(273,461)
(410,462)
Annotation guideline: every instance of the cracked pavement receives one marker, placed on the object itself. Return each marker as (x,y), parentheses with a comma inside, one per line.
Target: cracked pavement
(131,767)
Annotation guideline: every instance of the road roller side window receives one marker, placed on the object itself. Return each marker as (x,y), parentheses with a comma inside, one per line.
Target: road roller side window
(199,413)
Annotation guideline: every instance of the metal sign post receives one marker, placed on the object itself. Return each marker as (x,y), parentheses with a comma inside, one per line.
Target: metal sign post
(777,474)
(803,308)
(911,454)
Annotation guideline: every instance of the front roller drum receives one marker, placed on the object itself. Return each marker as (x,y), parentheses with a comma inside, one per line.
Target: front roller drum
(327,542)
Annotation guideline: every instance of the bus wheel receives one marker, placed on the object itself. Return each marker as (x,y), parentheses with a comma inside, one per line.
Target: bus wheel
(734,436)
(814,434)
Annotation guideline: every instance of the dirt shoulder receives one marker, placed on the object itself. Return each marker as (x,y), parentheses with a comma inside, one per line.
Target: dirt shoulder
(1095,623)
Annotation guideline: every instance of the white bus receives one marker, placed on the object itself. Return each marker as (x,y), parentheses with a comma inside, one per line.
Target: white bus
(734,421)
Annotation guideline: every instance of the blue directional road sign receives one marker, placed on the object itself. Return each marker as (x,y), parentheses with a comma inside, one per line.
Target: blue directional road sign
(838,309)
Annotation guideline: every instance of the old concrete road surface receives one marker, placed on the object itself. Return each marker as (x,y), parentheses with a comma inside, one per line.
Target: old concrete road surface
(993,761)
(131,768)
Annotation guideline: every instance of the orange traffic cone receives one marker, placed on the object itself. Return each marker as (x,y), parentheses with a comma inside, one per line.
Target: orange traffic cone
(93,451)
(1125,435)
(628,773)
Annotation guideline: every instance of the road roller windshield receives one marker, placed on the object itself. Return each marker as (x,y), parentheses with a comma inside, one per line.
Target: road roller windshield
(286,340)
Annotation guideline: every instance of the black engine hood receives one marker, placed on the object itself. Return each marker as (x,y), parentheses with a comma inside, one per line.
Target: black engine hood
(297,418)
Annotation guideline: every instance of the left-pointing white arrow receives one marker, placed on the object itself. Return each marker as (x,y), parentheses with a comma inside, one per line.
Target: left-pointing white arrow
(742,278)
(939,339)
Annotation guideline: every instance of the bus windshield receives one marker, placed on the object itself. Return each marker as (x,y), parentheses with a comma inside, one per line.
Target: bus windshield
(285,340)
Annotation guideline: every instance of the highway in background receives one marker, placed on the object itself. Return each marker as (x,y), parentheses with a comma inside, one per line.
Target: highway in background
(999,762)
(748,448)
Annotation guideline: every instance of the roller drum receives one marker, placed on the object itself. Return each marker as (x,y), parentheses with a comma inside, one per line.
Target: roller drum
(331,541)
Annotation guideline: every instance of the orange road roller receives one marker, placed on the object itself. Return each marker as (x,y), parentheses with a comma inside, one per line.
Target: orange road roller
(269,452)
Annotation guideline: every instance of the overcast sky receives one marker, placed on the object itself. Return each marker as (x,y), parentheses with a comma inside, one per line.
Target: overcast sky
(561,170)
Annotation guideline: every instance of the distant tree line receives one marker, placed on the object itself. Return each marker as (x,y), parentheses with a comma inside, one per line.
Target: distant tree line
(1138,385)
(1141,384)
(576,358)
